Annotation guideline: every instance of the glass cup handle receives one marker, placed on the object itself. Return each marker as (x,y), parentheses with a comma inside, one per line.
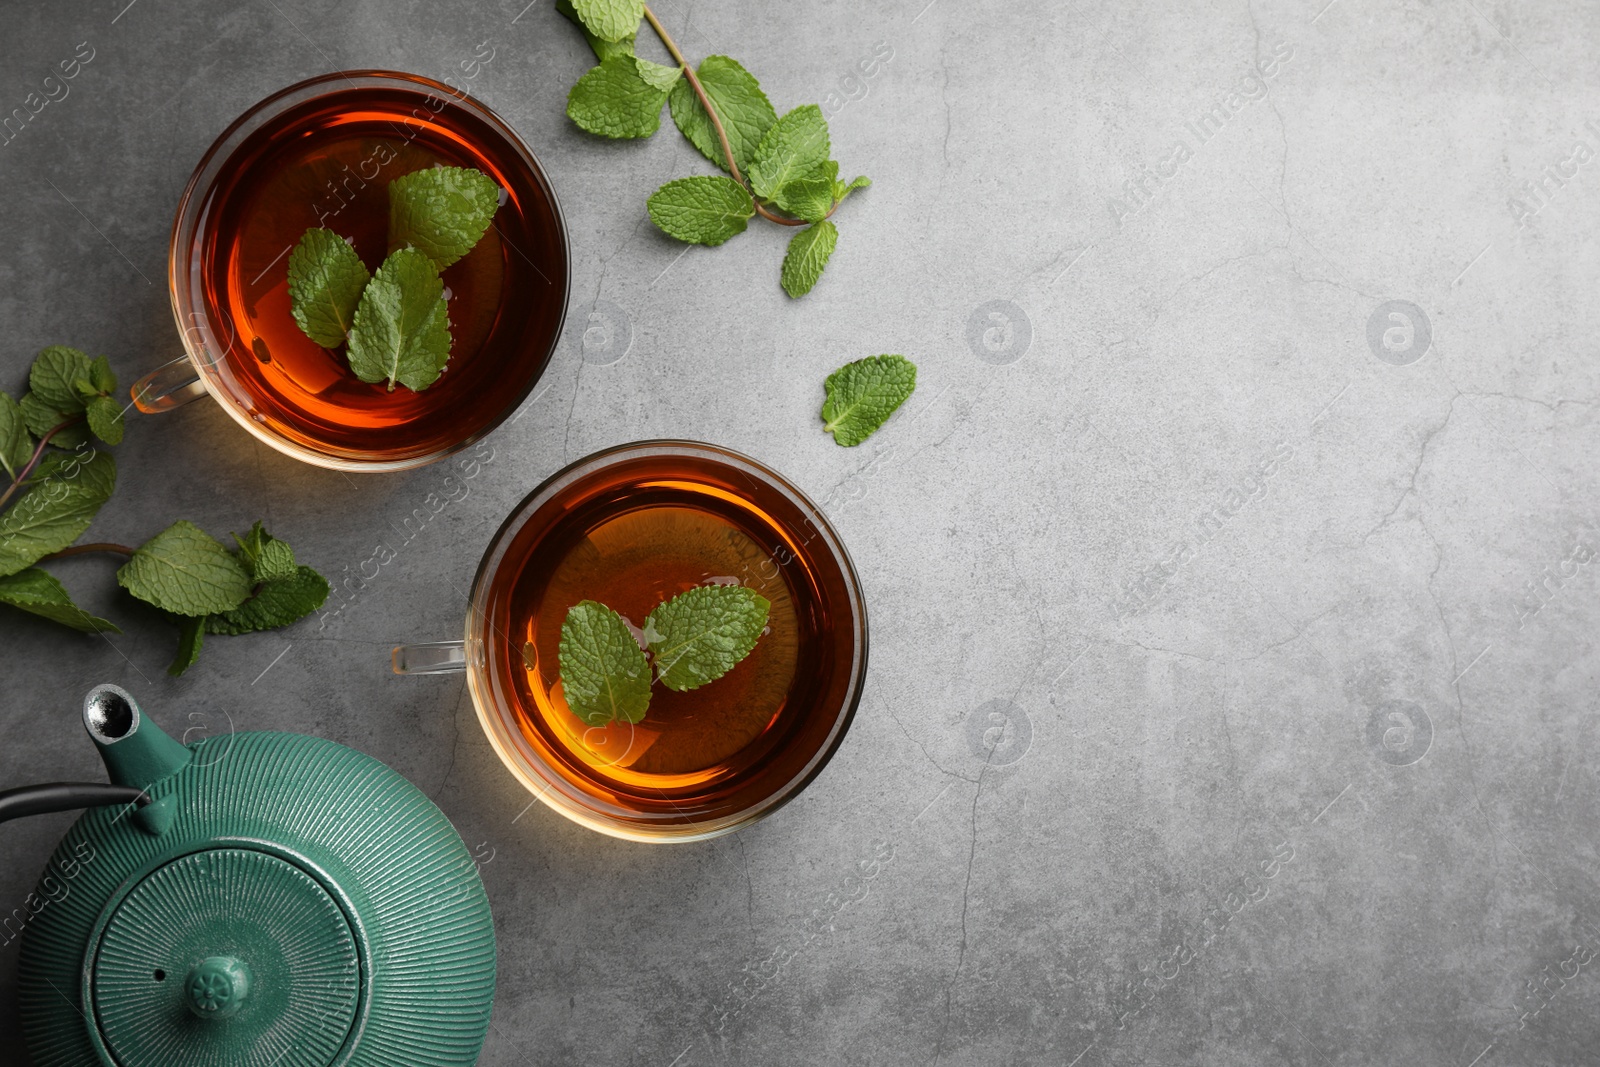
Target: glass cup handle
(433,657)
(169,386)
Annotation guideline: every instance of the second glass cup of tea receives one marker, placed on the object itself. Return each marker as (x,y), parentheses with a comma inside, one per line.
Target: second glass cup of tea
(322,153)
(632,527)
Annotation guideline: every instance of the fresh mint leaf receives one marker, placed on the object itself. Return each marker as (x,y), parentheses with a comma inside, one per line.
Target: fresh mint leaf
(101,376)
(442,211)
(603,49)
(51,378)
(38,591)
(104,416)
(16,443)
(745,110)
(191,636)
(325,282)
(862,395)
(604,675)
(704,210)
(264,556)
(279,602)
(659,75)
(702,634)
(809,198)
(807,257)
(64,493)
(793,147)
(41,418)
(276,561)
(402,329)
(610,20)
(186,571)
(616,99)
(841,190)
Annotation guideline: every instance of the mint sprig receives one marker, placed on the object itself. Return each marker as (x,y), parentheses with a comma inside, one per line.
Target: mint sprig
(695,638)
(54,494)
(780,165)
(394,323)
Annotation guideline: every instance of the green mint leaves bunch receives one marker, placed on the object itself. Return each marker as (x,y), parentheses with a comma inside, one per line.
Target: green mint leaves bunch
(57,485)
(778,168)
(692,639)
(394,322)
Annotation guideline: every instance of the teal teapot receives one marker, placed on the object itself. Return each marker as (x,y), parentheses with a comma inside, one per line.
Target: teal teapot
(252,900)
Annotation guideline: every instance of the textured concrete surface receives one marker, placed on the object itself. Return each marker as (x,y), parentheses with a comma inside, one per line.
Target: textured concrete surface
(1233,676)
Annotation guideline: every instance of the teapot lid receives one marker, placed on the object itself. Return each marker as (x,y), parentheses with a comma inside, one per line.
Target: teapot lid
(222,952)
(281,900)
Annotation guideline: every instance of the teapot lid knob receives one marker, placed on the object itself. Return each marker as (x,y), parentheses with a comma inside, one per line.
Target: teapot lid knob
(217,987)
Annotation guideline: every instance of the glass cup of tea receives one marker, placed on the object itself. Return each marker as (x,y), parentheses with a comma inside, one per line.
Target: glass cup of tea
(321,153)
(631,527)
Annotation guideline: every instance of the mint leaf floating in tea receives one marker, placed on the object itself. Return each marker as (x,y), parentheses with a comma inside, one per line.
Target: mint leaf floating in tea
(54,495)
(36,590)
(702,634)
(395,324)
(694,638)
(622,97)
(402,330)
(808,254)
(862,395)
(442,212)
(604,675)
(781,166)
(60,501)
(326,278)
(186,571)
(701,211)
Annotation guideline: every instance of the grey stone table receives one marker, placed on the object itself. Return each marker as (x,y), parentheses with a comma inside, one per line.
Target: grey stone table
(1232,696)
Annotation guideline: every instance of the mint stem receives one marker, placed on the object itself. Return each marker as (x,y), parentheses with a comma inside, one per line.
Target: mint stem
(716,122)
(33,461)
(93,546)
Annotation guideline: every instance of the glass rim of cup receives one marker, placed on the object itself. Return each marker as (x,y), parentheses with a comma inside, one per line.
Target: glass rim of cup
(189,316)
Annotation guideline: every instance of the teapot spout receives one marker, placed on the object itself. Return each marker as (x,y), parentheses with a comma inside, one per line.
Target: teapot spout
(136,751)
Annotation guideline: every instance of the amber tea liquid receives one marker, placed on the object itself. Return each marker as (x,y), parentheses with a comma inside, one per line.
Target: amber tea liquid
(632,539)
(327,162)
